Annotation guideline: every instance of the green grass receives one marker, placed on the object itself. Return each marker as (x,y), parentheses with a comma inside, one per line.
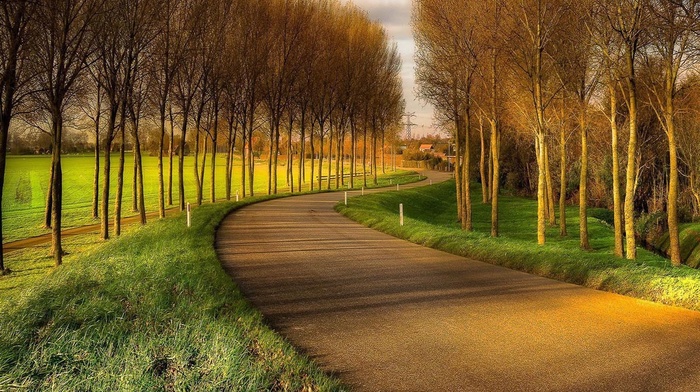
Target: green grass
(689,242)
(27,177)
(430,220)
(152,310)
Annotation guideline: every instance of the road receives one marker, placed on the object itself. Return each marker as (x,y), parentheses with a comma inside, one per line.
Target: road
(387,315)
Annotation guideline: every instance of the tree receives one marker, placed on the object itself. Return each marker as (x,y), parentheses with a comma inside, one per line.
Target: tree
(15,33)
(673,26)
(61,50)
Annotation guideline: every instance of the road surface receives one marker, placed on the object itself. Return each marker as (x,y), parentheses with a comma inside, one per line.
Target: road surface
(387,315)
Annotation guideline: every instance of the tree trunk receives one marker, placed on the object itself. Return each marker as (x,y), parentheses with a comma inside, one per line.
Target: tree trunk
(562,180)
(466,175)
(495,179)
(482,164)
(320,157)
(138,177)
(313,156)
(244,151)
(674,248)
(459,188)
(96,175)
(617,198)
(541,200)
(197,179)
(251,156)
(302,149)
(120,178)
(161,172)
(181,159)
(56,188)
(630,186)
(49,201)
(550,187)
(171,154)
(275,162)
(330,155)
(583,182)
(134,187)
(200,194)
(214,142)
(338,159)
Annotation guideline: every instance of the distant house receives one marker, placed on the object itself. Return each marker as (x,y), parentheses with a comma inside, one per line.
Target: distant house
(426,148)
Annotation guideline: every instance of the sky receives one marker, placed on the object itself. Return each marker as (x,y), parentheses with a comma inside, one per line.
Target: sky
(395,15)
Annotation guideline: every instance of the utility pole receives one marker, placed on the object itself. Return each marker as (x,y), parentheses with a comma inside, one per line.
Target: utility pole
(409,124)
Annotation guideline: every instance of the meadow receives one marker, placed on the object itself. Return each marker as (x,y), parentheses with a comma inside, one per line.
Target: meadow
(430,220)
(27,178)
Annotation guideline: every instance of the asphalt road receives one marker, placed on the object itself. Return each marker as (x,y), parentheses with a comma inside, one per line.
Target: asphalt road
(387,315)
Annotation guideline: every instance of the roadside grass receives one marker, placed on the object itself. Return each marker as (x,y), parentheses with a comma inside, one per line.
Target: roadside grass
(150,310)
(430,220)
(27,177)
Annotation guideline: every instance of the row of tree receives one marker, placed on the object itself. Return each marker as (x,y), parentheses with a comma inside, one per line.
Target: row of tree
(537,72)
(209,71)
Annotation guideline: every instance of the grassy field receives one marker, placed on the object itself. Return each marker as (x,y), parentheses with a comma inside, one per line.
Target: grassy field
(430,219)
(150,310)
(27,177)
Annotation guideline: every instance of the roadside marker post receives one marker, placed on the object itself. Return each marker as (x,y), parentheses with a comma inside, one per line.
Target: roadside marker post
(401,214)
(346,198)
(397,187)
(236,196)
(189,215)
(363,191)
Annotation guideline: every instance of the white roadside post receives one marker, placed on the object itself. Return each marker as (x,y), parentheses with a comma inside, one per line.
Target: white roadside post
(397,187)
(363,191)
(236,195)
(401,214)
(189,215)
(346,198)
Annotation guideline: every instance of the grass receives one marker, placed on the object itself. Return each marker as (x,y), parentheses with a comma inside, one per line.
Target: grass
(430,220)
(150,310)
(27,177)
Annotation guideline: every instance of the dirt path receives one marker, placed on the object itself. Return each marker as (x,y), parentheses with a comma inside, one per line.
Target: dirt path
(386,315)
(46,238)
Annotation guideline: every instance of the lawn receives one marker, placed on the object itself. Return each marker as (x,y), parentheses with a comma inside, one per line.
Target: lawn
(430,220)
(150,310)
(27,178)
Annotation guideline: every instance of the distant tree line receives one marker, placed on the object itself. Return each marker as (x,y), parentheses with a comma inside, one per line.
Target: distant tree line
(222,74)
(594,101)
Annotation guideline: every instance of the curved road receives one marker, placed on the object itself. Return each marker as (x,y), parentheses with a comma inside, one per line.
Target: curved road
(384,314)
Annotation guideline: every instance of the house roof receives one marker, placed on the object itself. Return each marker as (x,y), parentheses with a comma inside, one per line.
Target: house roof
(426,146)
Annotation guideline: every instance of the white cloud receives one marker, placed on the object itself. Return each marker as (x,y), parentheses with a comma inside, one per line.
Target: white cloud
(395,15)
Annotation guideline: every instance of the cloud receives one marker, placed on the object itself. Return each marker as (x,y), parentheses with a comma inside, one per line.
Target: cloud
(395,16)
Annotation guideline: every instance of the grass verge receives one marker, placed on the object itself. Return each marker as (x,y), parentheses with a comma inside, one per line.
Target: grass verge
(151,310)
(430,214)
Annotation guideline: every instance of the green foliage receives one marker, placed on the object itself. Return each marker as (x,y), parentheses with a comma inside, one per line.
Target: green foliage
(602,214)
(430,220)
(152,310)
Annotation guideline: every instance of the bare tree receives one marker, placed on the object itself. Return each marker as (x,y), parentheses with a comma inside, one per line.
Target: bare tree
(15,33)
(62,47)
